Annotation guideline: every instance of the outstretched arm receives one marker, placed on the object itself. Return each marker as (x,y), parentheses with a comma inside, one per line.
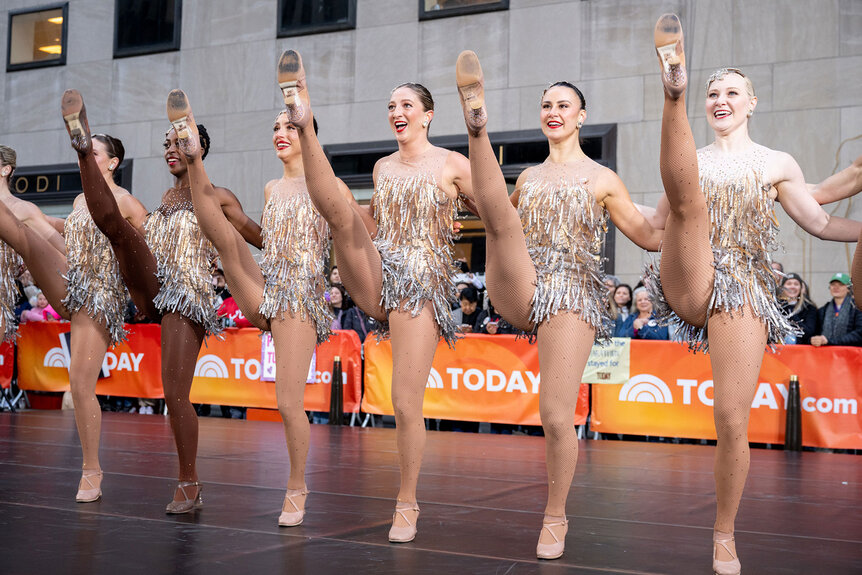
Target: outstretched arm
(232,208)
(801,206)
(624,214)
(656,216)
(844,184)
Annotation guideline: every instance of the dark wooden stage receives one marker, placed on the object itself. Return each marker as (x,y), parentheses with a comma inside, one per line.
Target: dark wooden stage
(634,507)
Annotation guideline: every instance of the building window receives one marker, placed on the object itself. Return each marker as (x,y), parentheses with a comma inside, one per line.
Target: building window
(146,26)
(296,17)
(37,38)
(429,9)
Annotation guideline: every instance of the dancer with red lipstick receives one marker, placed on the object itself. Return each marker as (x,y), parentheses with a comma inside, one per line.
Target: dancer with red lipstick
(405,273)
(178,257)
(544,271)
(715,266)
(285,294)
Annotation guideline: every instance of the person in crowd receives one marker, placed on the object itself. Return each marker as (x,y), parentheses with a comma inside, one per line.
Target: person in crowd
(620,302)
(839,322)
(337,297)
(798,307)
(466,276)
(334,276)
(38,310)
(611,282)
(643,324)
(220,286)
(465,317)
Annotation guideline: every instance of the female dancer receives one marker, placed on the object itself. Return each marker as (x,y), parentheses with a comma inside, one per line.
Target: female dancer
(715,262)
(285,295)
(544,266)
(405,273)
(173,280)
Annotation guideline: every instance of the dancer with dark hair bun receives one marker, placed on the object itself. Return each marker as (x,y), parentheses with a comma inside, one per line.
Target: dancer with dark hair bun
(715,267)
(172,278)
(285,294)
(544,271)
(405,273)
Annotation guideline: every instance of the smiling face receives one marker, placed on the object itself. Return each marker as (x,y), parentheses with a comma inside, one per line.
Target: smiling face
(561,111)
(285,139)
(335,297)
(41,300)
(643,303)
(728,103)
(792,288)
(838,290)
(176,166)
(406,114)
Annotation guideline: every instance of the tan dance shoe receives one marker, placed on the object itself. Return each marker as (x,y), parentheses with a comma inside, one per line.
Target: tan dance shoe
(75,118)
(724,566)
(552,525)
(90,487)
(188,503)
(291,81)
(471,89)
(293,510)
(671,54)
(406,533)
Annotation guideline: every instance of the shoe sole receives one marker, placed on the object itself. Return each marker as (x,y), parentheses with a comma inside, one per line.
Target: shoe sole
(666,35)
(468,77)
(178,113)
(72,108)
(288,73)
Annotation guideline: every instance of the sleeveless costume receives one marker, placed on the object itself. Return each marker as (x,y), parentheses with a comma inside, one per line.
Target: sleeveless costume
(414,237)
(184,256)
(743,232)
(564,228)
(10,263)
(94,281)
(296,243)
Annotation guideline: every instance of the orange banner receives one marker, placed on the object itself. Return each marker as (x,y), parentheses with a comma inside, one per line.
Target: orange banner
(670,393)
(227,371)
(7,363)
(491,378)
(134,365)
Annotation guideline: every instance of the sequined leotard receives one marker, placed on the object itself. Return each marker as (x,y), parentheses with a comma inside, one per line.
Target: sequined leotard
(743,232)
(414,237)
(296,241)
(10,263)
(94,281)
(184,256)
(564,228)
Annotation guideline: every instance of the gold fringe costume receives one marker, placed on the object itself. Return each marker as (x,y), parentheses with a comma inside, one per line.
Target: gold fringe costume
(743,232)
(295,244)
(184,257)
(414,237)
(94,283)
(564,228)
(10,264)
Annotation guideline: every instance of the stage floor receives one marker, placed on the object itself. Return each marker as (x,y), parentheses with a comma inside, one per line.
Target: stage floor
(633,508)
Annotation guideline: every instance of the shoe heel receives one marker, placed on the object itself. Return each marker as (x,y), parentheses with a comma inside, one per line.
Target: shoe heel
(468,76)
(667,55)
(74,123)
(178,110)
(289,66)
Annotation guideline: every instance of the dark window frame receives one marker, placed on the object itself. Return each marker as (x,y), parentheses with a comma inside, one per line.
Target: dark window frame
(461,10)
(606,134)
(171,46)
(315,28)
(61,61)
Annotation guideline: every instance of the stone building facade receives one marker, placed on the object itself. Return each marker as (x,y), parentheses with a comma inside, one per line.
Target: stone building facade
(804,56)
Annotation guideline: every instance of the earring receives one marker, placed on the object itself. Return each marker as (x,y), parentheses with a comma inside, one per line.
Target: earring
(425,124)
(750,113)
(580,124)
(5,172)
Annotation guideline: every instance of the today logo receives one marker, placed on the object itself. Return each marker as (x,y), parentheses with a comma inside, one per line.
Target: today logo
(647,388)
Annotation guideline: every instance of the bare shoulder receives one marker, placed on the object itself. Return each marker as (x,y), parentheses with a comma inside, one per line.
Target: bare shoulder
(270,185)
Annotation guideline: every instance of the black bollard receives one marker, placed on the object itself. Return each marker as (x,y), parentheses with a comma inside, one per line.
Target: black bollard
(336,397)
(793,423)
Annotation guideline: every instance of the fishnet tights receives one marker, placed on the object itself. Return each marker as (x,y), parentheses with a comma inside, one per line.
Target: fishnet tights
(856,273)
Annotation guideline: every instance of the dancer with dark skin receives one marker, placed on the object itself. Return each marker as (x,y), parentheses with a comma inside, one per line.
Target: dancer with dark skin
(543,269)
(284,295)
(715,257)
(178,257)
(405,273)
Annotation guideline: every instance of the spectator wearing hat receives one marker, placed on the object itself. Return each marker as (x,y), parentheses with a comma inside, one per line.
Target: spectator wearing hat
(798,307)
(839,322)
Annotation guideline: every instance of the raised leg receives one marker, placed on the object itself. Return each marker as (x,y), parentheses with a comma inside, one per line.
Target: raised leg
(242,273)
(47,266)
(294,342)
(181,343)
(358,260)
(414,342)
(687,270)
(511,275)
(565,342)
(136,262)
(89,343)
(736,345)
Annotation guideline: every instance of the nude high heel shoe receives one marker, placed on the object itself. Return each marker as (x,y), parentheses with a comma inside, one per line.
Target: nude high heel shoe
(555,549)
(668,39)
(188,503)
(293,517)
(93,491)
(724,567)
(406,533)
